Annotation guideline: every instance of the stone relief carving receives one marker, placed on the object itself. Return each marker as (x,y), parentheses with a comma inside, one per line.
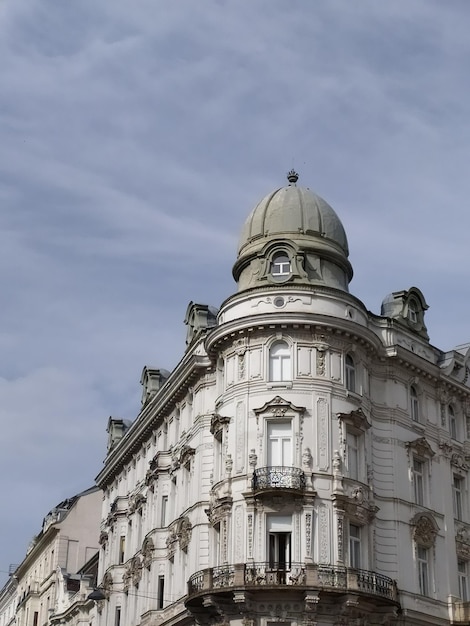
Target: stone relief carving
(184,533)
(147,552)
(421,447)
(459,461)
(462,543)
(308,533)
(424,529)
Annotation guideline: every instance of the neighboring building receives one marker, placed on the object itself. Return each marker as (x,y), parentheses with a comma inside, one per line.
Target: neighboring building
(68,539)
(73,606)
(8,599)
(305,462)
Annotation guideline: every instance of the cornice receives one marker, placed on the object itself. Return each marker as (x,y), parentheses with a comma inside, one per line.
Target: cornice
(179,380)
(284,320)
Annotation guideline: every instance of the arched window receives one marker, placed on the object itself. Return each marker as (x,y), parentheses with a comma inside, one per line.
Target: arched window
(452,422)
(350,373)
(414,404)
(413,311)
(280,362)
(280,266)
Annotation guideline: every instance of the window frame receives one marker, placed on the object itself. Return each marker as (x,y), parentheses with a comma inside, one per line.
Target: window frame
(419,481)
(414,405)
(462,575)
(353,461)
(452,422)
(458,491)
(350,373)
(281,360)
(277,262)
(355,546)
(423,564)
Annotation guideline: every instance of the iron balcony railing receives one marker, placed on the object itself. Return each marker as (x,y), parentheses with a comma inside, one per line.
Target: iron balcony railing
(278,477)
(321,577)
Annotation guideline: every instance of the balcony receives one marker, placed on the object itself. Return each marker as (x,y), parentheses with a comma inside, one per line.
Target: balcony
(298,576)
(278,477)
(460,613)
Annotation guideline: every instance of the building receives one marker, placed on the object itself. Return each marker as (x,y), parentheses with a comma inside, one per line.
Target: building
(8,599)
(306,462)
(67,540)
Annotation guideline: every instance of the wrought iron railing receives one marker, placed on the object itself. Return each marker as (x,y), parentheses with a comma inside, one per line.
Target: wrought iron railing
(278,477)
(327,577)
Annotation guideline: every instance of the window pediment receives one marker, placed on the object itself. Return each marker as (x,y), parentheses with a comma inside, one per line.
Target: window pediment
(421,447)
(278,407)
(355,418)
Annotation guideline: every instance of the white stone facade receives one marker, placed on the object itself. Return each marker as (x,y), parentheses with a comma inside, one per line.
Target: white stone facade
(305,462)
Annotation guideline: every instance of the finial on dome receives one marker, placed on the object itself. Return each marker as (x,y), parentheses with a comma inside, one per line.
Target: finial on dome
(292,177)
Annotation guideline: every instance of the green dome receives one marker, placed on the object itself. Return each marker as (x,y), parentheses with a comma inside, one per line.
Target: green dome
(292,211)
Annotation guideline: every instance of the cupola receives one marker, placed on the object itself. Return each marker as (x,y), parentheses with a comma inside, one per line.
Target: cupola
(293,236)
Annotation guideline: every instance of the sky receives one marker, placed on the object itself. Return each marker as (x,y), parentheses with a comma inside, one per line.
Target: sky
(135,138)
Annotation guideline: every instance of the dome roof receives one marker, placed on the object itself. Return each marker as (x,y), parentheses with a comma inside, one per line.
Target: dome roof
(293,210)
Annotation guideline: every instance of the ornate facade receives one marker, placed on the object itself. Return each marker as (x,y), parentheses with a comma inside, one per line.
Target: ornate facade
(306,461)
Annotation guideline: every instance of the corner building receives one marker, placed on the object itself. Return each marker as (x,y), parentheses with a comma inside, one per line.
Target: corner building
(305,463)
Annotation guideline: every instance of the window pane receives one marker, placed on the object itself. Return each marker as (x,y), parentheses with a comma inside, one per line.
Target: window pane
(280,362)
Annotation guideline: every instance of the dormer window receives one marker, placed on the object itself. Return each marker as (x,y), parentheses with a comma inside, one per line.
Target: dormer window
(280,266)
(413,311)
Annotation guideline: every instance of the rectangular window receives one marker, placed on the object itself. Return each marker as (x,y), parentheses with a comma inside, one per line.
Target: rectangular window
(117,616)
(280,362)
(279,528)
(418,481)
(279,444)
(35,618)
(352,455)
(160,591)
(457,495)
(462,570)
(354,546)
(164,508)
(423,570)
(122,548)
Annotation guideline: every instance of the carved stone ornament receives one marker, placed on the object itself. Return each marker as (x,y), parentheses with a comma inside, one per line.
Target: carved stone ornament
(218,422)
(218,510)
(421,447)
(462,543)
(424,529)
(103,540)
(171,542)
(147,552)
(459,461)
(446,449)
(355,418)
(278,407)
(136,570)
(184,533)
(186,455)
(356,505)
(136,503)
(252,458)
(126,578)
(106,585)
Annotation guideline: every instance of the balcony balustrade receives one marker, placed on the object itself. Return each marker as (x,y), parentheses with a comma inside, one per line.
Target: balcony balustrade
(319,577)
(278,477)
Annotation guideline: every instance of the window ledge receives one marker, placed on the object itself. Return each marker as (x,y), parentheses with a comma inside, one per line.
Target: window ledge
(280,385)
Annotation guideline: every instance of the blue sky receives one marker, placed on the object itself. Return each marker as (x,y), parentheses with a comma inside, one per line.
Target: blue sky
(135,139)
